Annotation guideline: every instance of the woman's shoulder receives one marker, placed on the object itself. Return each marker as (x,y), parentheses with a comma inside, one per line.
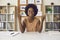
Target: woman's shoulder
(37,19)
(25,20)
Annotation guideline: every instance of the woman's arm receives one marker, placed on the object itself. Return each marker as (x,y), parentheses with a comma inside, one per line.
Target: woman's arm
(39,26)
(22,25)
(40,23)
(43,17)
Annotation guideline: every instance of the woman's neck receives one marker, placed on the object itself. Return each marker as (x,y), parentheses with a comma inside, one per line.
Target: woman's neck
(31,19)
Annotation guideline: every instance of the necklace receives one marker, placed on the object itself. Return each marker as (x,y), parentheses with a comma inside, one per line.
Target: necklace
(31,20)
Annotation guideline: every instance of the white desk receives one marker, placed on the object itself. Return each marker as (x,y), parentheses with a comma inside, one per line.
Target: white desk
(30,36)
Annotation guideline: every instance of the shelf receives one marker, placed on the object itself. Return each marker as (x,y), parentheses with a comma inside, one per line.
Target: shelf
(2,21)
(6,30)
(2,13)
(7,21)
(23,4)
(48,13)
(52,25)
(52,21)
(48,21)
(7,18)
(11,21)
(9,14)
(47,29)
(52,9)
(53,29)
(2,29)
(10,29)
(52,13)
(5,14)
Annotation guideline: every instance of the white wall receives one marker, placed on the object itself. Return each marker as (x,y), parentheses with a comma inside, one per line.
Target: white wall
(48,2)
(12,2)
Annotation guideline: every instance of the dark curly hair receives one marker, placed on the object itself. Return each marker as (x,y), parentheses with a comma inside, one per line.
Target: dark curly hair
(31,6)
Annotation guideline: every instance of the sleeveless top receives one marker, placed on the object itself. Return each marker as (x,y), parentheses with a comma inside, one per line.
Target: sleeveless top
(31,27)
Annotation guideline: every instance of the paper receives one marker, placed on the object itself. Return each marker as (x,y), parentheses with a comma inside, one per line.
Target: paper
(22,1)
(30,1)
(38,1)
(22,7)
(39,7)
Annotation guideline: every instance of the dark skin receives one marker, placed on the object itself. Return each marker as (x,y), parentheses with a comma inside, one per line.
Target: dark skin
(31,18)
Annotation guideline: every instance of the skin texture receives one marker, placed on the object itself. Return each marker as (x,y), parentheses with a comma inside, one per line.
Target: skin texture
(31,19)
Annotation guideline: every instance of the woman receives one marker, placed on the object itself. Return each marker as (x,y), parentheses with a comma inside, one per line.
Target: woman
(31,23)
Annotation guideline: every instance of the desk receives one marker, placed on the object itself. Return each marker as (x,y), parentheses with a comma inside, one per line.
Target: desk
(29,36)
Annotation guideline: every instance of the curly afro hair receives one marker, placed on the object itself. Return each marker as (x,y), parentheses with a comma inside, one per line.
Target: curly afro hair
(31,6)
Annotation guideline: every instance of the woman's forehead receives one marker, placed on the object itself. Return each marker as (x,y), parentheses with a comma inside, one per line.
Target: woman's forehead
(30,9)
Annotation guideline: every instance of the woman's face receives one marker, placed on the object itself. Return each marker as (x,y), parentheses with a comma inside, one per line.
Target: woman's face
(30,12)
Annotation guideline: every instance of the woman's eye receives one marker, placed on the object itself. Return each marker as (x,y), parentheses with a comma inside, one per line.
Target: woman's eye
(29,11)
